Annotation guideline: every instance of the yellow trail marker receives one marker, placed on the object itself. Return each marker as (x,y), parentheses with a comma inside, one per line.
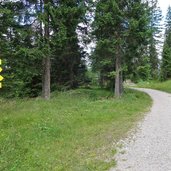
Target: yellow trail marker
(1,78)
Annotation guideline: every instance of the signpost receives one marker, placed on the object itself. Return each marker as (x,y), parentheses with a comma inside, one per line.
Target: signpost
(1,77)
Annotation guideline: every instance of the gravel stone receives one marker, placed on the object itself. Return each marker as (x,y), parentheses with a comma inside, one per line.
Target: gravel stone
(149,148)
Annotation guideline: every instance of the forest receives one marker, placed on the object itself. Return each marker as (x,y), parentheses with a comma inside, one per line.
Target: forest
(47,45)
(64,67)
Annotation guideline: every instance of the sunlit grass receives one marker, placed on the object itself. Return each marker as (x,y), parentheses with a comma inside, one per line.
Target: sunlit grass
(163,86)
(74,131)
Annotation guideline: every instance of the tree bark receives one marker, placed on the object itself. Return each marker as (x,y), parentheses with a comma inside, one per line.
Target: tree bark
(46,64)
(46,79)
(121,81)
(118,77)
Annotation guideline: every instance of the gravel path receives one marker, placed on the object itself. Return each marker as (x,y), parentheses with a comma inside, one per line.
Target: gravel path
(149,149)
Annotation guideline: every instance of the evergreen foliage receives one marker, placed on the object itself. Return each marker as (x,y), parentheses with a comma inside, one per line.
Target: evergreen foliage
(42,51)
(166,55)
(155,39)
(122,32)
(36,33)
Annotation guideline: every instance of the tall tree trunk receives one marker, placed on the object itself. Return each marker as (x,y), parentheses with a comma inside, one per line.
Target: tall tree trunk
(121,82)
(46,78)
(118,77)
(71,76)
(46,64)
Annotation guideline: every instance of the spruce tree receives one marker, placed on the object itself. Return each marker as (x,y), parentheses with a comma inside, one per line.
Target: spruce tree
(40,46)
(155,42)
(166,55)
(109,31)
(122,31)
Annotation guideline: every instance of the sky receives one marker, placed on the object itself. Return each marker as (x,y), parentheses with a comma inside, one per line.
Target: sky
(164,5)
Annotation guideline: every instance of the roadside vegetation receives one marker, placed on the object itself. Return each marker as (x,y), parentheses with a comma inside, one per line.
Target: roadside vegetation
(75,130)
(47,50)
(163,86)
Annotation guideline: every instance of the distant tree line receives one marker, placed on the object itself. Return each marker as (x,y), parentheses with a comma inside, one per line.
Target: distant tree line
(166,55)
(42,52)
(40,47)
(125,33)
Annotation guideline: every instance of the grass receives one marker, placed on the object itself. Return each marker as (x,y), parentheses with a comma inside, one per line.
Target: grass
(163,86)
(74,131)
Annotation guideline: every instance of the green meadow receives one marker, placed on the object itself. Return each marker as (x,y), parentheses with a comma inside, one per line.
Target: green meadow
(74,131)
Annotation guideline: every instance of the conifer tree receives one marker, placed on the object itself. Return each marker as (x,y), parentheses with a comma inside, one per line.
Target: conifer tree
(40,45)
(137,39)
(122,32)
(166,55)
(109,31)
(155,42)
